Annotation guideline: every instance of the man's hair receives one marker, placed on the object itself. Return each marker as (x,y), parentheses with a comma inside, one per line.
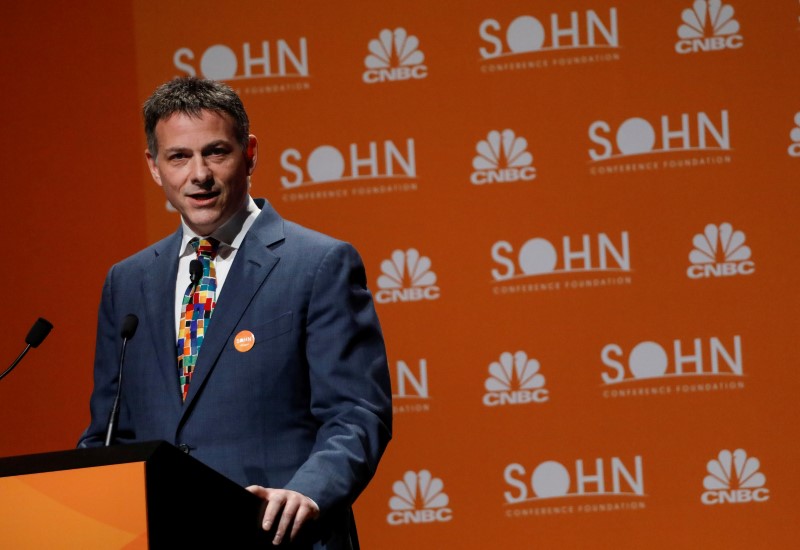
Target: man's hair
(191,96)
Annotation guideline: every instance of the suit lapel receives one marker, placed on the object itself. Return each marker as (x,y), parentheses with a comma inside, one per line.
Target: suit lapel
(158,291)
(253,263)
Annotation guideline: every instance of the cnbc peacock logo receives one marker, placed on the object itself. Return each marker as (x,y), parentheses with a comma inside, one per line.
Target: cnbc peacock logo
(514,380)
(419,498)
(502,157)
(407,277)
(719,251)
(394,56)
(734,478)
(707,26)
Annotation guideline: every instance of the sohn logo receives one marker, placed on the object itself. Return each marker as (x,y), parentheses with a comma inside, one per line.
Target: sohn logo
(410,387)
(555,39)
(669,141)
(244,341)
(249,60)
(794,135)
(568,262)
(583,486)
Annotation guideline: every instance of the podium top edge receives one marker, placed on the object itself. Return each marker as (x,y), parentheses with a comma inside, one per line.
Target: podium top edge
(81,458)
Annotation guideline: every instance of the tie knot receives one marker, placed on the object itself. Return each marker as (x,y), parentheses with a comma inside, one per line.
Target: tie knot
(206,248)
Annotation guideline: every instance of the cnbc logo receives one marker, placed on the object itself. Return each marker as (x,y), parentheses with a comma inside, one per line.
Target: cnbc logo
(708,26)
(719,252)
(734,478)
(394,56)
(514,380)
(406,277)
(419,498)
(502,157)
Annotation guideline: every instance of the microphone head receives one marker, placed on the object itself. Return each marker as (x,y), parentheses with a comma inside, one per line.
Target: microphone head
(39,331)
(196,271)
(129,325)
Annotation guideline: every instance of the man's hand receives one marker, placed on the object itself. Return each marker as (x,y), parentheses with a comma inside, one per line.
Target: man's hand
(294,509)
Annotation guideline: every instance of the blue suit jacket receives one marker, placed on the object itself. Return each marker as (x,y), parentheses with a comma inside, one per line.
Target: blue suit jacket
(308,408)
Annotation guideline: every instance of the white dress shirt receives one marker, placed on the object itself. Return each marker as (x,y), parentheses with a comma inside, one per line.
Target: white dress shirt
(230,236)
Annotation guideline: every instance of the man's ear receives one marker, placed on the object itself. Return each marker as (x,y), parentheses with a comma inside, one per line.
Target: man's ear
(151,163)
(251,153)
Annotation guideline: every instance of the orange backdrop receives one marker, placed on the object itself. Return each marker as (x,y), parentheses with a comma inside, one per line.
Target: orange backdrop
(578,220)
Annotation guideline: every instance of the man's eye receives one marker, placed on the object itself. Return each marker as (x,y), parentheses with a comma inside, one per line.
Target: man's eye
(177,156)
(219,151)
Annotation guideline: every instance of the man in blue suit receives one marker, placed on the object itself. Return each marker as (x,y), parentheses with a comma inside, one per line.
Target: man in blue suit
(290,392)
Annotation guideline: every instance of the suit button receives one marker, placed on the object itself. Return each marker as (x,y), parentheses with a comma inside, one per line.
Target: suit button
(184,447)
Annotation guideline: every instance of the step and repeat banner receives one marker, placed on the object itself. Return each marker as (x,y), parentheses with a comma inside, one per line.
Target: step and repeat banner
(579,221)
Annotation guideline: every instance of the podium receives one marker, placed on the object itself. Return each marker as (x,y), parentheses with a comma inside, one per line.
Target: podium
(138,496)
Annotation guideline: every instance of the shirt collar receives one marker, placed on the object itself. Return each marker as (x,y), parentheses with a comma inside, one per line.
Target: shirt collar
(230,234)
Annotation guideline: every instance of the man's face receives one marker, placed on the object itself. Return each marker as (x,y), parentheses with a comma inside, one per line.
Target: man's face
(202,168)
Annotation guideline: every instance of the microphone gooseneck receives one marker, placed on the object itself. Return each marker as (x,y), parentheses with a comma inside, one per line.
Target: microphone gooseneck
(129,325)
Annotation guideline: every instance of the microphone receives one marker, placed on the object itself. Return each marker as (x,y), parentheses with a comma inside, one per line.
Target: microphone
(196,271)
(36,335)
(39,331)
(129,325)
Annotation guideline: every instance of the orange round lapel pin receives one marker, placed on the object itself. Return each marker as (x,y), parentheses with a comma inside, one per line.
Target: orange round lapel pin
(244,341)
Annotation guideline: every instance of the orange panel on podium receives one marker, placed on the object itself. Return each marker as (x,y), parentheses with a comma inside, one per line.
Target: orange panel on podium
(127,497)
(103,507)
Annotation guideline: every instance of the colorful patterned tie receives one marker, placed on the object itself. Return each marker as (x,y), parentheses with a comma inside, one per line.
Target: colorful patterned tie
(198,304)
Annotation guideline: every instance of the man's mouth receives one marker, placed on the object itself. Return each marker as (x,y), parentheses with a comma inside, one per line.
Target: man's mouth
(204,196)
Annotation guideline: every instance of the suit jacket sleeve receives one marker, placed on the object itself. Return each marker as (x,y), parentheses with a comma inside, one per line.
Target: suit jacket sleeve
(349,380)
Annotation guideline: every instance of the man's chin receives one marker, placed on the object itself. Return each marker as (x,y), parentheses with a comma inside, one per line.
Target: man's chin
(203,225)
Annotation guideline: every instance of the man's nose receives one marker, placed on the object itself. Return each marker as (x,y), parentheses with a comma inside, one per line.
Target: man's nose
(200,171)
